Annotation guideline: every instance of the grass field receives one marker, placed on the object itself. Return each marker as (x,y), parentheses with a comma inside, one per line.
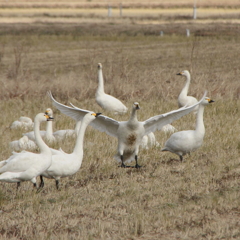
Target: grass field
(165,199)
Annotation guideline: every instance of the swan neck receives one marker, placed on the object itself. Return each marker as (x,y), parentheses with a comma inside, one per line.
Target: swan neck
(41,144)
(133,117)
(77,127)
(78,149)
(100,82)
(49,128)
(186,86)
(199,123)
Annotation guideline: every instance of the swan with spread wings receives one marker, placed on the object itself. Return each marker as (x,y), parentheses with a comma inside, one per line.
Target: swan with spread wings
(129,133)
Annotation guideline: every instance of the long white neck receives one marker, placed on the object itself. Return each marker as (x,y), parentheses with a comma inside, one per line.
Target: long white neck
(41,144)
(78,149)
(77,127)
(49,129)
(133,118)
(100,88)
(199,123)
(184,91)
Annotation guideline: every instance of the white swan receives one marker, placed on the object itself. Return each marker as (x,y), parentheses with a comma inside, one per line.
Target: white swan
(149,141)
(26,166)
(183,98)
(46,135)
(129,133)
(184,142)
(22,122)
(63,164)
(23,144)
(61,134)
(105,101)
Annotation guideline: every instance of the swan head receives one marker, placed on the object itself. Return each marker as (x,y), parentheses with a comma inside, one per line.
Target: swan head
(42,117)
(49,112)
(99,66)
(207,100)
(136,106)
(184,73)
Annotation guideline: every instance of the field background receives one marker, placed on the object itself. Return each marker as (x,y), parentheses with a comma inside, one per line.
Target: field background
(56,46)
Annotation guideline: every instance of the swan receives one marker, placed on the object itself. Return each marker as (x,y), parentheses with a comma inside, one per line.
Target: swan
(184,142)
(61,134)
(149,141)
(23,144)
(63,164)
(105,101)
(183,98)
(22,122)
(46,135)
(26,166)
(129,133)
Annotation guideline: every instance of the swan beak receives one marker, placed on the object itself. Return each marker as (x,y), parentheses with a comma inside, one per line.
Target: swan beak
(210,100)
(49,118)
(179,73)
(96,114)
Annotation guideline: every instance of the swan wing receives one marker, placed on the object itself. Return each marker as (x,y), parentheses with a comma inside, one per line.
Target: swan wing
(101,123)
(157,122)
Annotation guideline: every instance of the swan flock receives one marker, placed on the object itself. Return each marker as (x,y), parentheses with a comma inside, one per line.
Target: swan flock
(131,135)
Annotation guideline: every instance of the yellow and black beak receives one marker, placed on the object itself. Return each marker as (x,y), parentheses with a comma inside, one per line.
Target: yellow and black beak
(179,73)
(48,117)
(96,114)
(210,100)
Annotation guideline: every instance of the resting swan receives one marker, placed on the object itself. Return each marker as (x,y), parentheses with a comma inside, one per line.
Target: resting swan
(184,142)
(105,101)
(26,166)
(22,122)
(63,164)
(129,133)
(61,134)
(46,135)
(23,144)
(183,98)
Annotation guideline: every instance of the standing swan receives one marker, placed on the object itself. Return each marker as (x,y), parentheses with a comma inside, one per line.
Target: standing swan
(183,98)
(105,101)
(26,166)
(185,142)
(129,133)
(63,164)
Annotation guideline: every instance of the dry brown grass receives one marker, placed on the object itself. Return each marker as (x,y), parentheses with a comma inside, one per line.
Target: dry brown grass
(165,199)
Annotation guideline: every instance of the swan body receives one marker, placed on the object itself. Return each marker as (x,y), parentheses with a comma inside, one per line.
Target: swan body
(184,142)
(183,98)
(149,141)
(63,164)
(26,166)
(106,101)
(129,133)
(23,144)
(46,135)
(61,134)
(22,122)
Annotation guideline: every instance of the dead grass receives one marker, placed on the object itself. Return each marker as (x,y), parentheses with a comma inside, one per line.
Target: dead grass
(165,199)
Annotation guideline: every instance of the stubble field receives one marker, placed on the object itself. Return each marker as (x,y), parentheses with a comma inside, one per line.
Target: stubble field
(165,199)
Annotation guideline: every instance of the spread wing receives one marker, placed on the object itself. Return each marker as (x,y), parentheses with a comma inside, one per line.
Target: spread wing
(101,123)
(157,122)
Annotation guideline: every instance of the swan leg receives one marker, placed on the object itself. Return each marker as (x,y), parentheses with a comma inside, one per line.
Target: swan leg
(136,159)
(181,158)
(57,184)
(42,182)
(123,165)
(18,185)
